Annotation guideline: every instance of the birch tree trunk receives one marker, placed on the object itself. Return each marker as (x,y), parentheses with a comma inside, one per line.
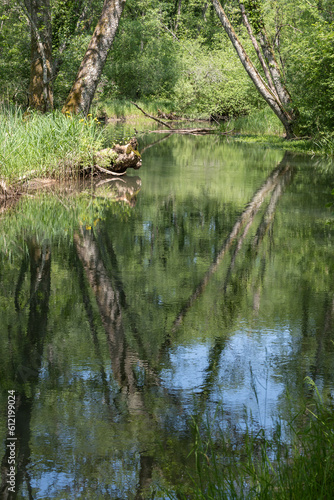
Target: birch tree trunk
(257,48)
(270,67)
(270,95)
(178,15)
(89,74)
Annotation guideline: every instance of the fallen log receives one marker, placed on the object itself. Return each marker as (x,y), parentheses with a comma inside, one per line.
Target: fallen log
(191,131)
(116,160)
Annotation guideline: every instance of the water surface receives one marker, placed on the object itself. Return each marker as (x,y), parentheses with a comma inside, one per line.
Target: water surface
(204,282)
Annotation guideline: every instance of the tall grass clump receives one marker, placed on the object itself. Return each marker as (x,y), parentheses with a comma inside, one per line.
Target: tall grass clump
(258,467)
(38,145)
(323,144)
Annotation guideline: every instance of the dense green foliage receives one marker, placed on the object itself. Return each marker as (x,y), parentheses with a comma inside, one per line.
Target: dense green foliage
(310,66)
(179,52)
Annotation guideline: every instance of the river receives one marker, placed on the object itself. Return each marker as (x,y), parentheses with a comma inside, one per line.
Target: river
(200,286)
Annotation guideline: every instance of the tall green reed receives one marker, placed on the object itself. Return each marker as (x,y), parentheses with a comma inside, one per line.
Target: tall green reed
(256,466)
(259,122)
(41,144)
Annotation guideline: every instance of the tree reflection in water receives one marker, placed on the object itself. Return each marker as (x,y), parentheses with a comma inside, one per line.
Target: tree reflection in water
(130,328)
(30,356)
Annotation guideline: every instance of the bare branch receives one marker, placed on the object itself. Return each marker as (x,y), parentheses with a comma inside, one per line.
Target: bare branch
(152,117)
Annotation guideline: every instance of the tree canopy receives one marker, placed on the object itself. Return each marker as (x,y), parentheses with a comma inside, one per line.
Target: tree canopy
(179,51)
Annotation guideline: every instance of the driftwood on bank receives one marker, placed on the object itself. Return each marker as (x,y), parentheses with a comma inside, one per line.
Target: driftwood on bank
(116,160)
(192,131)
(112,161)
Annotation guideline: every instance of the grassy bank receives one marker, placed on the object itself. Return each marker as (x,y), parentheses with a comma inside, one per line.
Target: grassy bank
(37,145)
(262,127)
(261,468)
(41,145)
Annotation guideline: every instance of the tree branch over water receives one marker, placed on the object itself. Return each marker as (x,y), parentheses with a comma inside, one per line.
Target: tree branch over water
(152,117)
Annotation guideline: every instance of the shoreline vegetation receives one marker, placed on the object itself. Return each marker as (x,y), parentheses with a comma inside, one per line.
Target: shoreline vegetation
(55,144)
(256,465)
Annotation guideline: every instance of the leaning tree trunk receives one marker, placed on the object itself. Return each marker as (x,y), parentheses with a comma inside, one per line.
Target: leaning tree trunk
(40,92)
(272,71)
(84,86)
(270,96)
(257,49)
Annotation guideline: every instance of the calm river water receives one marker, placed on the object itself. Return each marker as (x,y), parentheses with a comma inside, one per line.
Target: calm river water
(201,285)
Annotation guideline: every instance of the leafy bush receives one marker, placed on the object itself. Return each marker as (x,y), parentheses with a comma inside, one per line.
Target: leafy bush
(14,54)
(213,81)
(310,71)
(142,62)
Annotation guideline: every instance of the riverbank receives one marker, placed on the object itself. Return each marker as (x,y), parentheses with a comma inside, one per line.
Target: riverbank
(261,127)
(38,146)
(35,145)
